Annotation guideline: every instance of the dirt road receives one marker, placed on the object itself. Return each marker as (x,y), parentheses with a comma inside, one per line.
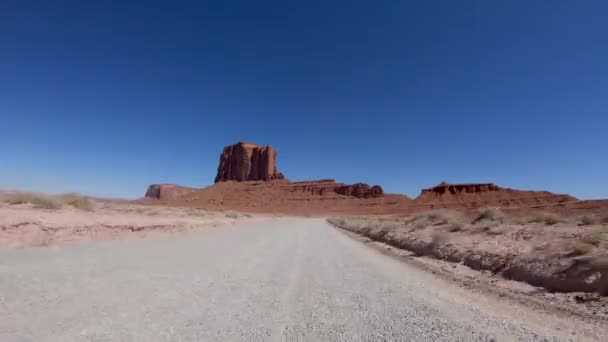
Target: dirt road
(284,280)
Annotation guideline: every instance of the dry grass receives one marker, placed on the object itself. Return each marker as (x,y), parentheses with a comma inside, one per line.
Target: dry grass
(488,214)
(534,250)
(36,200)
(77,201)
(546,218)
(436,218)
(587,220)
(595,238)
(48,202)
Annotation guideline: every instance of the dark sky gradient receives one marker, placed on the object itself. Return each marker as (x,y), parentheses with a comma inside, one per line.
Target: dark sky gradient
(106,98)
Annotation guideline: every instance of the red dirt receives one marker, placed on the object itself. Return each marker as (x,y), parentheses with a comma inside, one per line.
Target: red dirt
(281,196)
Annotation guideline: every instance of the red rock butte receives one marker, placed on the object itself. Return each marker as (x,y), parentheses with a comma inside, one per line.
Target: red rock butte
(248,162)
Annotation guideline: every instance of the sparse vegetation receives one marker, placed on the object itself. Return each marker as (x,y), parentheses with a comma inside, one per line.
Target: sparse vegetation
(36,200)
(587,220)
(487,215)
(77,201)
(438,239)
(546,218)
(524,251)
(484,227)
(435,217)
(47,201)
(596,238)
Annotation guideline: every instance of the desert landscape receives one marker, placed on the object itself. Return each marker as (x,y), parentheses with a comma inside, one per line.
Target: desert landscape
(545,250)
(32,219)
(304,171)
(554,241)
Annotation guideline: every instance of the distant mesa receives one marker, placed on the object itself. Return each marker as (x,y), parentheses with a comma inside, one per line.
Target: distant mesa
(248,162)
(167,192)
(454,189)
(360,190)
(484,194)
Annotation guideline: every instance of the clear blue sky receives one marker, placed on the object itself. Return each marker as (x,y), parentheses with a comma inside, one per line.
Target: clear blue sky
(106,97)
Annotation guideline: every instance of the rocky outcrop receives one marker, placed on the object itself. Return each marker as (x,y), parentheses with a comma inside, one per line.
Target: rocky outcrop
(248,162)
(167,192)
(302,197)
(454,189)
(484,194)
(359,190)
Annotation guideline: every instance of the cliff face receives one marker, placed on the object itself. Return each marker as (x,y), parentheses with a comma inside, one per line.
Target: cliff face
(484,194)
(455,189)
(248,162)
(168,192)
(360,190)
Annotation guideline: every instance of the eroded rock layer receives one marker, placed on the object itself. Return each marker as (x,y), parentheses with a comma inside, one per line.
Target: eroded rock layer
(486,194)
(248,162)
(304,197)
(167,192)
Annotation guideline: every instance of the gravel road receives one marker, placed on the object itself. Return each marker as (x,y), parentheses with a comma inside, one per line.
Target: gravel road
(281,280)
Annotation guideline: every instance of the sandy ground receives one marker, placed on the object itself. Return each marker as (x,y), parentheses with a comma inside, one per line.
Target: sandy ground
(277,280)
(25,225)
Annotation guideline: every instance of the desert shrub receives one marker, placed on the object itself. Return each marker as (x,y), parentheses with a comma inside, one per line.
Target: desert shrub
(422,222)
(76,201)
(14,199)
(439,238)
(587,220)
(436,217)
(595,238)
(604,219)
(45,202)
(487,215)
(536,218)
(551,219)
(37,200)
(547,219)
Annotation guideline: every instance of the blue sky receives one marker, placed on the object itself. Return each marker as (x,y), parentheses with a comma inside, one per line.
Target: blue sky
(107,97)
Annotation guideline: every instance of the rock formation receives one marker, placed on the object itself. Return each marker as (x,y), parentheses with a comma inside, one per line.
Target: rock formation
(247,162)
(445,188)
(359,190)
(167,192)
(301,197)
(484,194)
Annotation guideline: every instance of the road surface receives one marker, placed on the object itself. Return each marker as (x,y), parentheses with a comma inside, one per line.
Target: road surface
(283,280)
